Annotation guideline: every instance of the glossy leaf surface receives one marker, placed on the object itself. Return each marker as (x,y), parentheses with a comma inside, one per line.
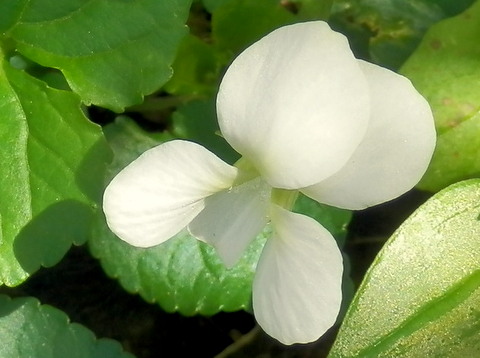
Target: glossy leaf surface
(112,53)
(50,167)
(420,298)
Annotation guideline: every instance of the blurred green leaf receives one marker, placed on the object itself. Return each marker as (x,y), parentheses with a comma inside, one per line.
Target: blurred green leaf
(29,329)
(183,274)
(239,23)
(197,121)
(195,70)
(445,69)
(211,5)
(112,53)
(313,9)
(452,8)
(11,12)
(456,156)
(304,9)
(128,141)
(51,165)
(421,296)
(388,31)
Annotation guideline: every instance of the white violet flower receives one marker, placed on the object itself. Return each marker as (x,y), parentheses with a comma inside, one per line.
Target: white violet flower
(308,117)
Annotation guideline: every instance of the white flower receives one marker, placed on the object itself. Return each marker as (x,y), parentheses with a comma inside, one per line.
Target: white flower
(306,116)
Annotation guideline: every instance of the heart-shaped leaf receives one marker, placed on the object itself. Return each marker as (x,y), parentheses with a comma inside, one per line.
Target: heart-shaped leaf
(51,164)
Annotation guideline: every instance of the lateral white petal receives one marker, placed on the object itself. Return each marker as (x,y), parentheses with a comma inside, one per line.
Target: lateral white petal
(289,99)
(297,286)
(395,152)
(159,193)
(233,218)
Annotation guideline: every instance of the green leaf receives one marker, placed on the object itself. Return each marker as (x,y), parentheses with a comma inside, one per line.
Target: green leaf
(195,70)
(421,296)
(456,155)
(128,141)
(388,31)
(307,9)
(452,8)
(29,329)
(234,27)
(197,121)
(445,69)
(112,53)
(211,5)
(183,274)
(313,9)
(51,165)
(11,12)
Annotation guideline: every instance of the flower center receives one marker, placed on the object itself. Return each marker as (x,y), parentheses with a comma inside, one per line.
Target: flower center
(284,198)
(246,171)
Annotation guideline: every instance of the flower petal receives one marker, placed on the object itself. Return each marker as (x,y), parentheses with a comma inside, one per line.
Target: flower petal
(159,193)
(289,98)
(396,150)
(297,286)
(232,219)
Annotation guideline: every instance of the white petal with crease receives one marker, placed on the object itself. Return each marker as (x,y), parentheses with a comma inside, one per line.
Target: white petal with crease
(159,193)
(297,287)
(395,153)
(295,104)
(233,218)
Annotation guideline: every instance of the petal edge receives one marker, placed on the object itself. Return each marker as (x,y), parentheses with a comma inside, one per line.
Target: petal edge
(232,219)
(160,192)
(396,149)
(297,286)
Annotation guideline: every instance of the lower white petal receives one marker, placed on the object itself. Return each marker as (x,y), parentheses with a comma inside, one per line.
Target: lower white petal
(233,218)
(395,152)
(159,193)
(297,287)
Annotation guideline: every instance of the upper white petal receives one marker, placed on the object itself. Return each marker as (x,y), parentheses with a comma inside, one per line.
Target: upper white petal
(295,104)
(297,286)
(159,193)
(395,152)
(233,218)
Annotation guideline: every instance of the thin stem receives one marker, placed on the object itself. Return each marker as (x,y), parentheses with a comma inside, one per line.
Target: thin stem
(246,171)
(241,342)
